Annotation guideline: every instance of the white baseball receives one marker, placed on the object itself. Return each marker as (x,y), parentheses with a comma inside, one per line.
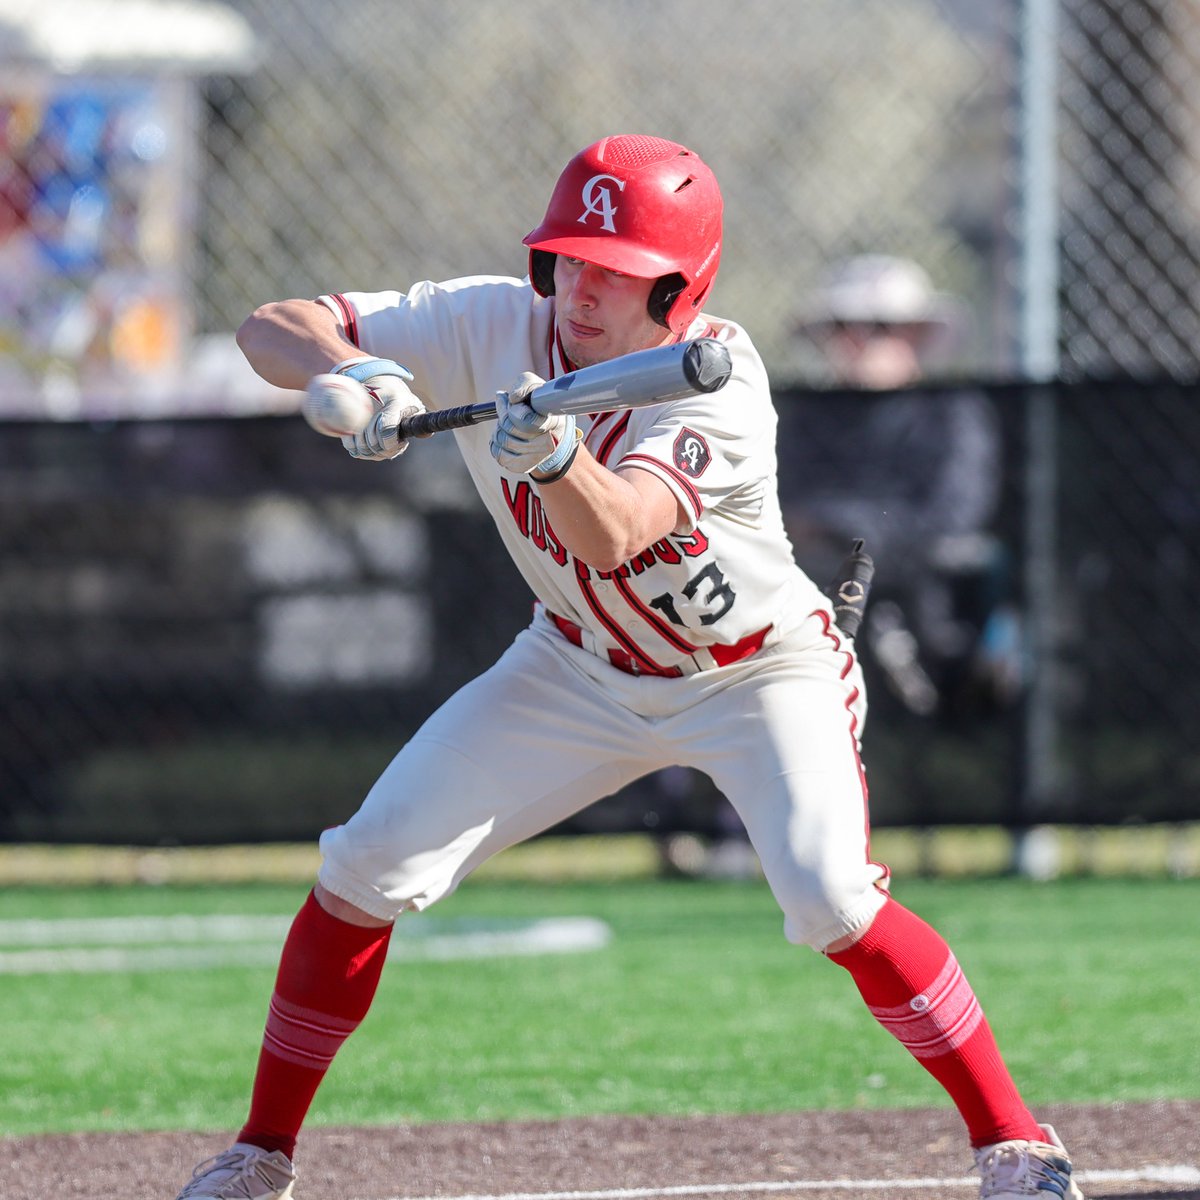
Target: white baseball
(336,405)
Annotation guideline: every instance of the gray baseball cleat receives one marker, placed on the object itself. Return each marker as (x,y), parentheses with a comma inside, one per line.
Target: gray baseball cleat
(1010,1170)
(243,1172)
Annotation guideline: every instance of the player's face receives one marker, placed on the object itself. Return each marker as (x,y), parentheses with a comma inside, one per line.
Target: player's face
(602,314)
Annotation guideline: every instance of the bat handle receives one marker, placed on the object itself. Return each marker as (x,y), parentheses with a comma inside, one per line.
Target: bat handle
(423,424)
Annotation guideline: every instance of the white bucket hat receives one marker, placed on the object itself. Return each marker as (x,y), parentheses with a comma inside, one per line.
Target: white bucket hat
(879,289)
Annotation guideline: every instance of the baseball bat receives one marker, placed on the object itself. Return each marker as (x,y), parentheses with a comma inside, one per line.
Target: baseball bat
(849,591)
(631,381)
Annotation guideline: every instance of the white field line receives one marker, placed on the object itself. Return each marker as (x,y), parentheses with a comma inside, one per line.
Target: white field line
(99,944)
(1175,1174)
(118,931)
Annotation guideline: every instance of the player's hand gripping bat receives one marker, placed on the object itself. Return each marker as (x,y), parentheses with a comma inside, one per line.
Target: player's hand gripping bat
(631,381)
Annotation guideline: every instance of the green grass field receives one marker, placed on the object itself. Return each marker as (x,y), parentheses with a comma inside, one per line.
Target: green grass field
(696,1005)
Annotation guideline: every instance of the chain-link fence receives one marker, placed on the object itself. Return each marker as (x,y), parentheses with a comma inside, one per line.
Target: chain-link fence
(173,593)
(421,142)
(165,174)
(223,629)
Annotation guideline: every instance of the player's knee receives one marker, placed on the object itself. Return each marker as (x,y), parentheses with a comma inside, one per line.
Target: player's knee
(823,919)
(350,881)
(343,910)
(378,878)
(848,940)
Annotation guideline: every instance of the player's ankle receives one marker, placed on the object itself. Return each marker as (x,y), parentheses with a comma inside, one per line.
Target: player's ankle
(268,1141)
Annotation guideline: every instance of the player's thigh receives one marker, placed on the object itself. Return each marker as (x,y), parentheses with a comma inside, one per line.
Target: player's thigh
(789,763)
(525,745)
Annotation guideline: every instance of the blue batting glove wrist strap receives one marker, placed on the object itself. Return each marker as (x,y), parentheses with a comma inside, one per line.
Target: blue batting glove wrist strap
(556,464)
(364,370)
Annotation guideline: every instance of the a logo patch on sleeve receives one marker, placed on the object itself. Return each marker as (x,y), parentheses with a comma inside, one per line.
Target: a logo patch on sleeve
(691,453)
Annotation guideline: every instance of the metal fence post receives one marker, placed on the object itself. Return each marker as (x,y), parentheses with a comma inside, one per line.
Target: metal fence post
(1038,358)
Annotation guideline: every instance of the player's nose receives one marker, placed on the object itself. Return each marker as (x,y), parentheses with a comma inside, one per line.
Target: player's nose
(584,285)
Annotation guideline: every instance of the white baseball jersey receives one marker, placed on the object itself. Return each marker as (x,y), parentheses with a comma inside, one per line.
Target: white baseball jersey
(716,589)
(712,649)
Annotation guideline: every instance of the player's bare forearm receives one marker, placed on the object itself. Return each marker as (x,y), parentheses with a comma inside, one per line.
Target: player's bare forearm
(606,518)
(287,342)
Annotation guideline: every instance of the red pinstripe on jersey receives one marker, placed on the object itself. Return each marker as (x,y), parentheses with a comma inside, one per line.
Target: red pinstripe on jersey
(663,628)
(642,657)
(639,656)
(560,364)
(610,439)
(349,316)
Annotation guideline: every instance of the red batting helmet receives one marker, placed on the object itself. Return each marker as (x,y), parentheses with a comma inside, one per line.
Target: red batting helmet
(642,206)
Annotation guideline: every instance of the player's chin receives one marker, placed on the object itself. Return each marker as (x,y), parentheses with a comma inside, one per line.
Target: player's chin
(585,346)
(580,360)
(590,351)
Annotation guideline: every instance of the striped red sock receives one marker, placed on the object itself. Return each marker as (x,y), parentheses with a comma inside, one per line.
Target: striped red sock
(915,988)
(327,978)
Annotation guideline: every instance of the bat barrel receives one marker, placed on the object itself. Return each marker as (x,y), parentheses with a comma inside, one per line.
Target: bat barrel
(644,377)
(633,380)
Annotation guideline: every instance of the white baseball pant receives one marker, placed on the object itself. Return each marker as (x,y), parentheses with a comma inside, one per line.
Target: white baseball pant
(551,728)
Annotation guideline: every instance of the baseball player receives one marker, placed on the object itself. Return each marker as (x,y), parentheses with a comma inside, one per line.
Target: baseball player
(671,626)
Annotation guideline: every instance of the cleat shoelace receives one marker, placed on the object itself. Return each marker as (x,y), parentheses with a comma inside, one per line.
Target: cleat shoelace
(1012,1168)
(236,1163)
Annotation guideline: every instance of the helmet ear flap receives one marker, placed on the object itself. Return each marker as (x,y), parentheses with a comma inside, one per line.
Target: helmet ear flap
(663,295)
(541,271)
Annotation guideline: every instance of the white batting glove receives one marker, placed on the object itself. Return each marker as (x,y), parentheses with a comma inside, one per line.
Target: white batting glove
(387,382)
(528,443)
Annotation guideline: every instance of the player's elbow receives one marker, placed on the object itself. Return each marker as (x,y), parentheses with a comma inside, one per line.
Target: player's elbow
(251,333)
(606,563)
(614,551)
(286,341)
(624,542)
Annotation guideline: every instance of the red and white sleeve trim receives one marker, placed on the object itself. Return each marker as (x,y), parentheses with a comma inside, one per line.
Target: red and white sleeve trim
(682,486)
(345,313)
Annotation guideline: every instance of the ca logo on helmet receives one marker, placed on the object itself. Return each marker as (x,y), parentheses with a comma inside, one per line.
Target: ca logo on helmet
(598,201)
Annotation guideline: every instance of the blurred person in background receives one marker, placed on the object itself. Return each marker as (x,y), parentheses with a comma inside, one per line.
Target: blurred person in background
(914,470)
(917,472)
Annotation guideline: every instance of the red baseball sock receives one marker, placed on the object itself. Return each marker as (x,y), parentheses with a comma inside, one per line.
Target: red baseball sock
(916,990)
(326,981)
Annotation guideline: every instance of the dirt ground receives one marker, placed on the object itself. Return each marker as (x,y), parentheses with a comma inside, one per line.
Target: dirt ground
(1120,1150)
